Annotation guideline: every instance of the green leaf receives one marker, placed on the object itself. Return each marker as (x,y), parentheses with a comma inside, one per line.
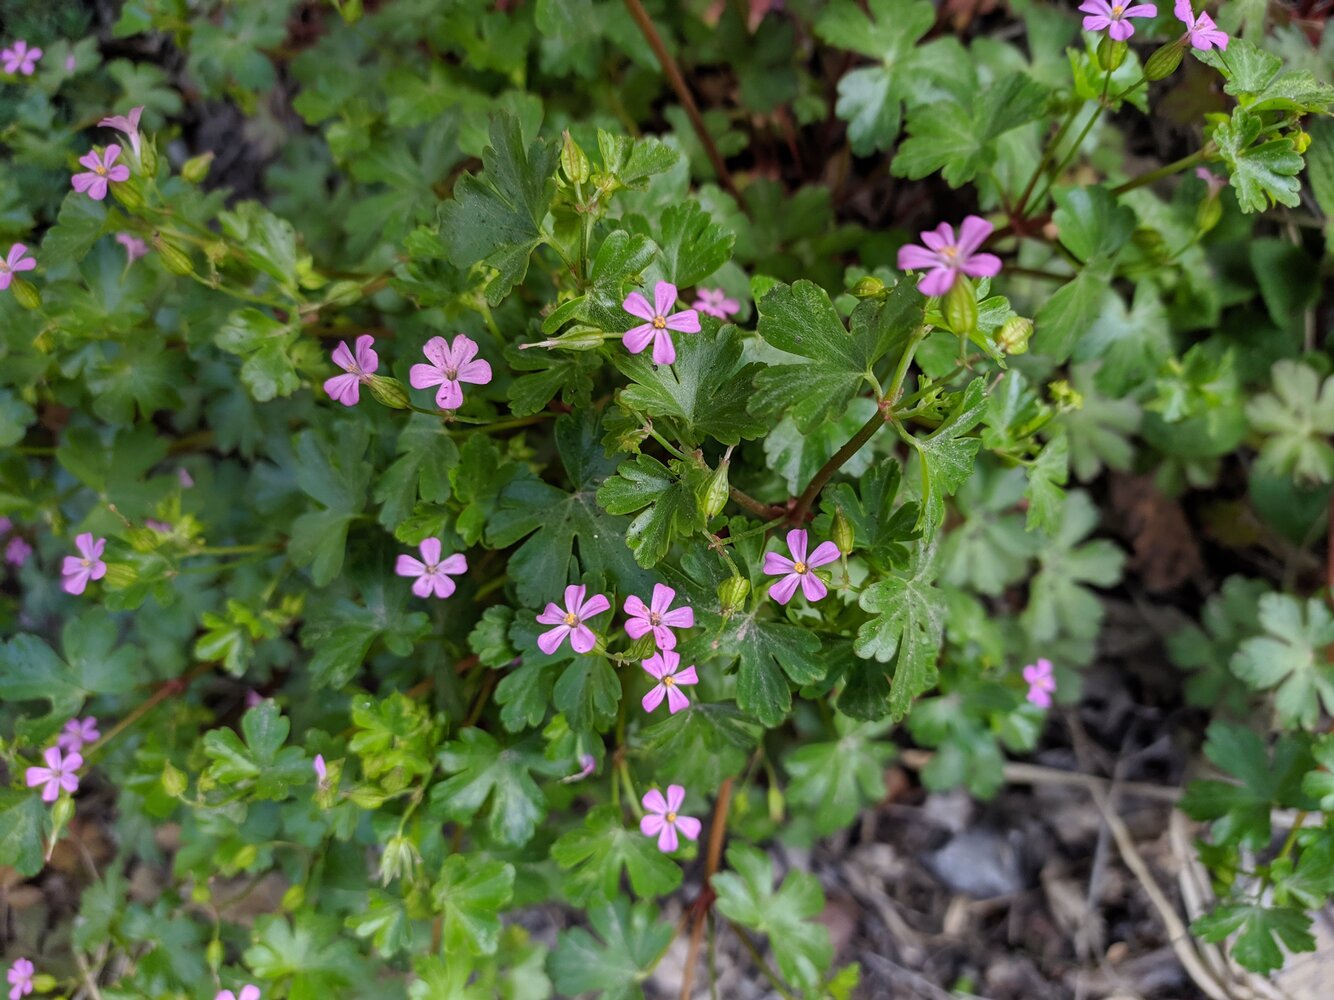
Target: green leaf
(588,692)
(80,222)
(701,745)
(832,782)
(990,549)
(1091,223)
(668,501)
(1064,317)
(1048,473)
(1320,784)
(906,628)
(266,242)
(340,632)
(1259,930)
(497,218)
(22,831)
(1229,616)
(621,956)
(1099,430)
(1257,79)
(1291,657)
(796,456)
(427,454)
(469,895)
(746,895)
(768,654)
(692,245)
(1298,419)
(1261,174)
(596,852)
(261,766)
(312,955)
(946,454)
(268,371)
(879,529)
(1058,600)
(703,395)
(485,772)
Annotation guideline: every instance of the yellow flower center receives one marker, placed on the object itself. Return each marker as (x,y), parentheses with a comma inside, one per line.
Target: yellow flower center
(669,680)
(100,170)
(85,562)
(571,618)
(799,567)
(659,323)
(671,817)
(1118,10)
(951,252)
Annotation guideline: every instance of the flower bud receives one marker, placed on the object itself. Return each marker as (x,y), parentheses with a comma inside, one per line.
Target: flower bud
(961,307)
(44,982)
(574,162)
(399,859)
(200,893)
(868,288)
(1014,334)
(213,954)
(176,260)
(390,392)
(293,897)
(713,496)
(245,857)
(1208,214)
(844,537)
(61,813)
(173,780)
(1111,53)
(130,194)
(642,648)
(1301,141)
(732,593)
(775,804)
(25,293)
(195,169)
(1065,396)
(1164,61)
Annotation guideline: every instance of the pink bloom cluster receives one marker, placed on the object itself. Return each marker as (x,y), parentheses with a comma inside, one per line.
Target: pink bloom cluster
(944,258)
(60,773)
(1114,18)
(17,550)
(451,365)
(20,978)
(87,565)
(660,322)
(14,262)
(1201,31)
(799,570)
(1041,682)
(432,573)
(20,58)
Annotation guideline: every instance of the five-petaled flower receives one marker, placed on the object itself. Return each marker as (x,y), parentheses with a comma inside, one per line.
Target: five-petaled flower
(248,992)
(714,302)
(1041,683)
(1114,18)
(60,772)
(1201,31)
(665,665)
(16,260)
(346,388)
(944,258)
(87,565)
(658,617)
(20,978)
(100,172)
(432,573)
(800,569)
(19,58)
(129,124)
(134,247)
(659,322)
(76,733)
(664,818)
(450,365)
(571,621)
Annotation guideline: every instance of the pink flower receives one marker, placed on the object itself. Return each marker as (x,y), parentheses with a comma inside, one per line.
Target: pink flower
(664,665)
(571,621)
(346,389)
(20,978)
(432,573)
(71,63)
(1041,683)
(134,247)
(253,698)
(60,772)
(17,551)
(1216,183)
(184,478)
(100,172)
(321,770)
(77,733)
(714,302)
(15,261)
(5,525)
(87,565)
(663,819)
(943,258)
(798,569)
(449,366)
(248,992)
(659,322)
(658,617)
(18,58)
(129,124)
(1114,18)
(1201,31)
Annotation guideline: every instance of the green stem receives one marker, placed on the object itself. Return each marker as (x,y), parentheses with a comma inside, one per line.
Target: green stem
(503,425)
(1043,163)
(779,987)
(670,448)
(164,691)
(1185,163)
(762,510)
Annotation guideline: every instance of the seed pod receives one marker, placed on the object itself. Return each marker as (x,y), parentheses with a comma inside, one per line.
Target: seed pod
(174,259)
(1111,53)
(45,983)
(716,490)
(61,813)
(1164,61)
(1209,213)
(213,953)
(574,161)
(1065,396)
(1014,334)
(868,288)
(961,307)
(196,168)
(129,194)
(642,648)
(390,392)
(148,156)
(732,593)
(844,537)
(26,294)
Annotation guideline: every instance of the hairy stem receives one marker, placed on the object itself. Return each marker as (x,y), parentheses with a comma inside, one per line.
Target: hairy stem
(839,459)
(1175,167)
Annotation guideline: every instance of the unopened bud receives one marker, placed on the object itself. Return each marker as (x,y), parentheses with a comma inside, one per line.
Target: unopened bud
(200,893)
(868,288)
(173,780)
(1014,334)
(399,859)
(1065,396)
(245,857)
(44,982)
(1301,141)
(390,392)
(176,260)
(25,293)
(147,156)
(61,813)
(579,338)
(1111,53)
(642,648)
(844,537)
(775,804)
(961,307)
(732,593)
(574,162)
(716,490)
(196,168)
(1164,61)
(213,953)
(129,194)
(1209,214)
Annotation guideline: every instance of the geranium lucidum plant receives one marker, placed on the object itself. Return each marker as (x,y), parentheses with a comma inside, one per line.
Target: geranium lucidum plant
(374,486)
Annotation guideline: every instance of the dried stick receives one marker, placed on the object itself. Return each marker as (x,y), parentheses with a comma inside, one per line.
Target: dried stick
(705,899)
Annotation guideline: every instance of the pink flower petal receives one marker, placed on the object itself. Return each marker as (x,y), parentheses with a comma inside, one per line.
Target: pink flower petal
(475,372)
(686,321)
(689,827)
(652,824)
(940,237)
(551,615)
(635,607)
(430,550)
(663,637)
(550,641)
(825,553)
(664,351)
(637,339)
(425,376)
(438,353)
(667,841)
(915,258)
(776,563)
(408,566)
(783,590)
(973,232)
(655,666)
(637,627)
(664,297)
(676,796)
(682,617)
(936,282)
(687,677)
(595,605)
(450,395)
(796,543)
(345,389)
(654,698)
(676,700)
(662,598)
(636,305)
(464,350)
(813,587)
(423,585)
(455,564)
(654,802)
(582,639)
(443,585)
(367,359)
(982,265)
